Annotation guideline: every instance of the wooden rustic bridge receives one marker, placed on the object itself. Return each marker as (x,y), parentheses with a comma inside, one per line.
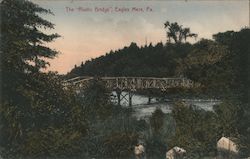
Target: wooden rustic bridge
(132,84)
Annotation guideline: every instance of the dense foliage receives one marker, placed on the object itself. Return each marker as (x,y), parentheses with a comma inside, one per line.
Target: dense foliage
(220,65)
(196,130)
(112,131)
(224,70)
(38,117)
(149,61)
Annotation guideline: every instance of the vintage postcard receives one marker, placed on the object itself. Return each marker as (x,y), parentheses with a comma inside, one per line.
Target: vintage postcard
(125,79)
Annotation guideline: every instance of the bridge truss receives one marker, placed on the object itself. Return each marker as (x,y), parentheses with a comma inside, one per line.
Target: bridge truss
(132,84)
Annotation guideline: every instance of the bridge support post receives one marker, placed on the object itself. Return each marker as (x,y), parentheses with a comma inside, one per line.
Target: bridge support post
(149,94)
(118,94)
(149,100)
(130,95)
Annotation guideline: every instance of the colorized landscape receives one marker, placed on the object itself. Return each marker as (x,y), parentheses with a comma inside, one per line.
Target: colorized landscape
(125,80)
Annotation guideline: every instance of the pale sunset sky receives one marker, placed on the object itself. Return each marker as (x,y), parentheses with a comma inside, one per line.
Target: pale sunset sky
(89,32)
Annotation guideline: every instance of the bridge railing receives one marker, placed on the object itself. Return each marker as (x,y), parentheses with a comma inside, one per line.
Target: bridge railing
(134,83)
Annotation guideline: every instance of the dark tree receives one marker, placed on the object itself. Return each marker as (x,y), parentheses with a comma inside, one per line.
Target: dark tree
(239,75)
(177,33)
(34,106)
(157,120)
(196,130)
(22,45)
(97,101)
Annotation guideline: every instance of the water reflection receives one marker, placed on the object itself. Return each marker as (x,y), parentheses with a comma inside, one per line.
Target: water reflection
(143,110)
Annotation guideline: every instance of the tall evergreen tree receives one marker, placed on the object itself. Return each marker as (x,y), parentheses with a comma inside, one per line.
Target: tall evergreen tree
(34,107)
(22,45)
(23,48)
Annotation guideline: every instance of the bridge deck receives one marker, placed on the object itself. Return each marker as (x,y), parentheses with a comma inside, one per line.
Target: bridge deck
(133,83)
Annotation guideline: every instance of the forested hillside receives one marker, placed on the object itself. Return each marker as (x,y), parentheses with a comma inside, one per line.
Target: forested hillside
(154,61)
(160,60)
